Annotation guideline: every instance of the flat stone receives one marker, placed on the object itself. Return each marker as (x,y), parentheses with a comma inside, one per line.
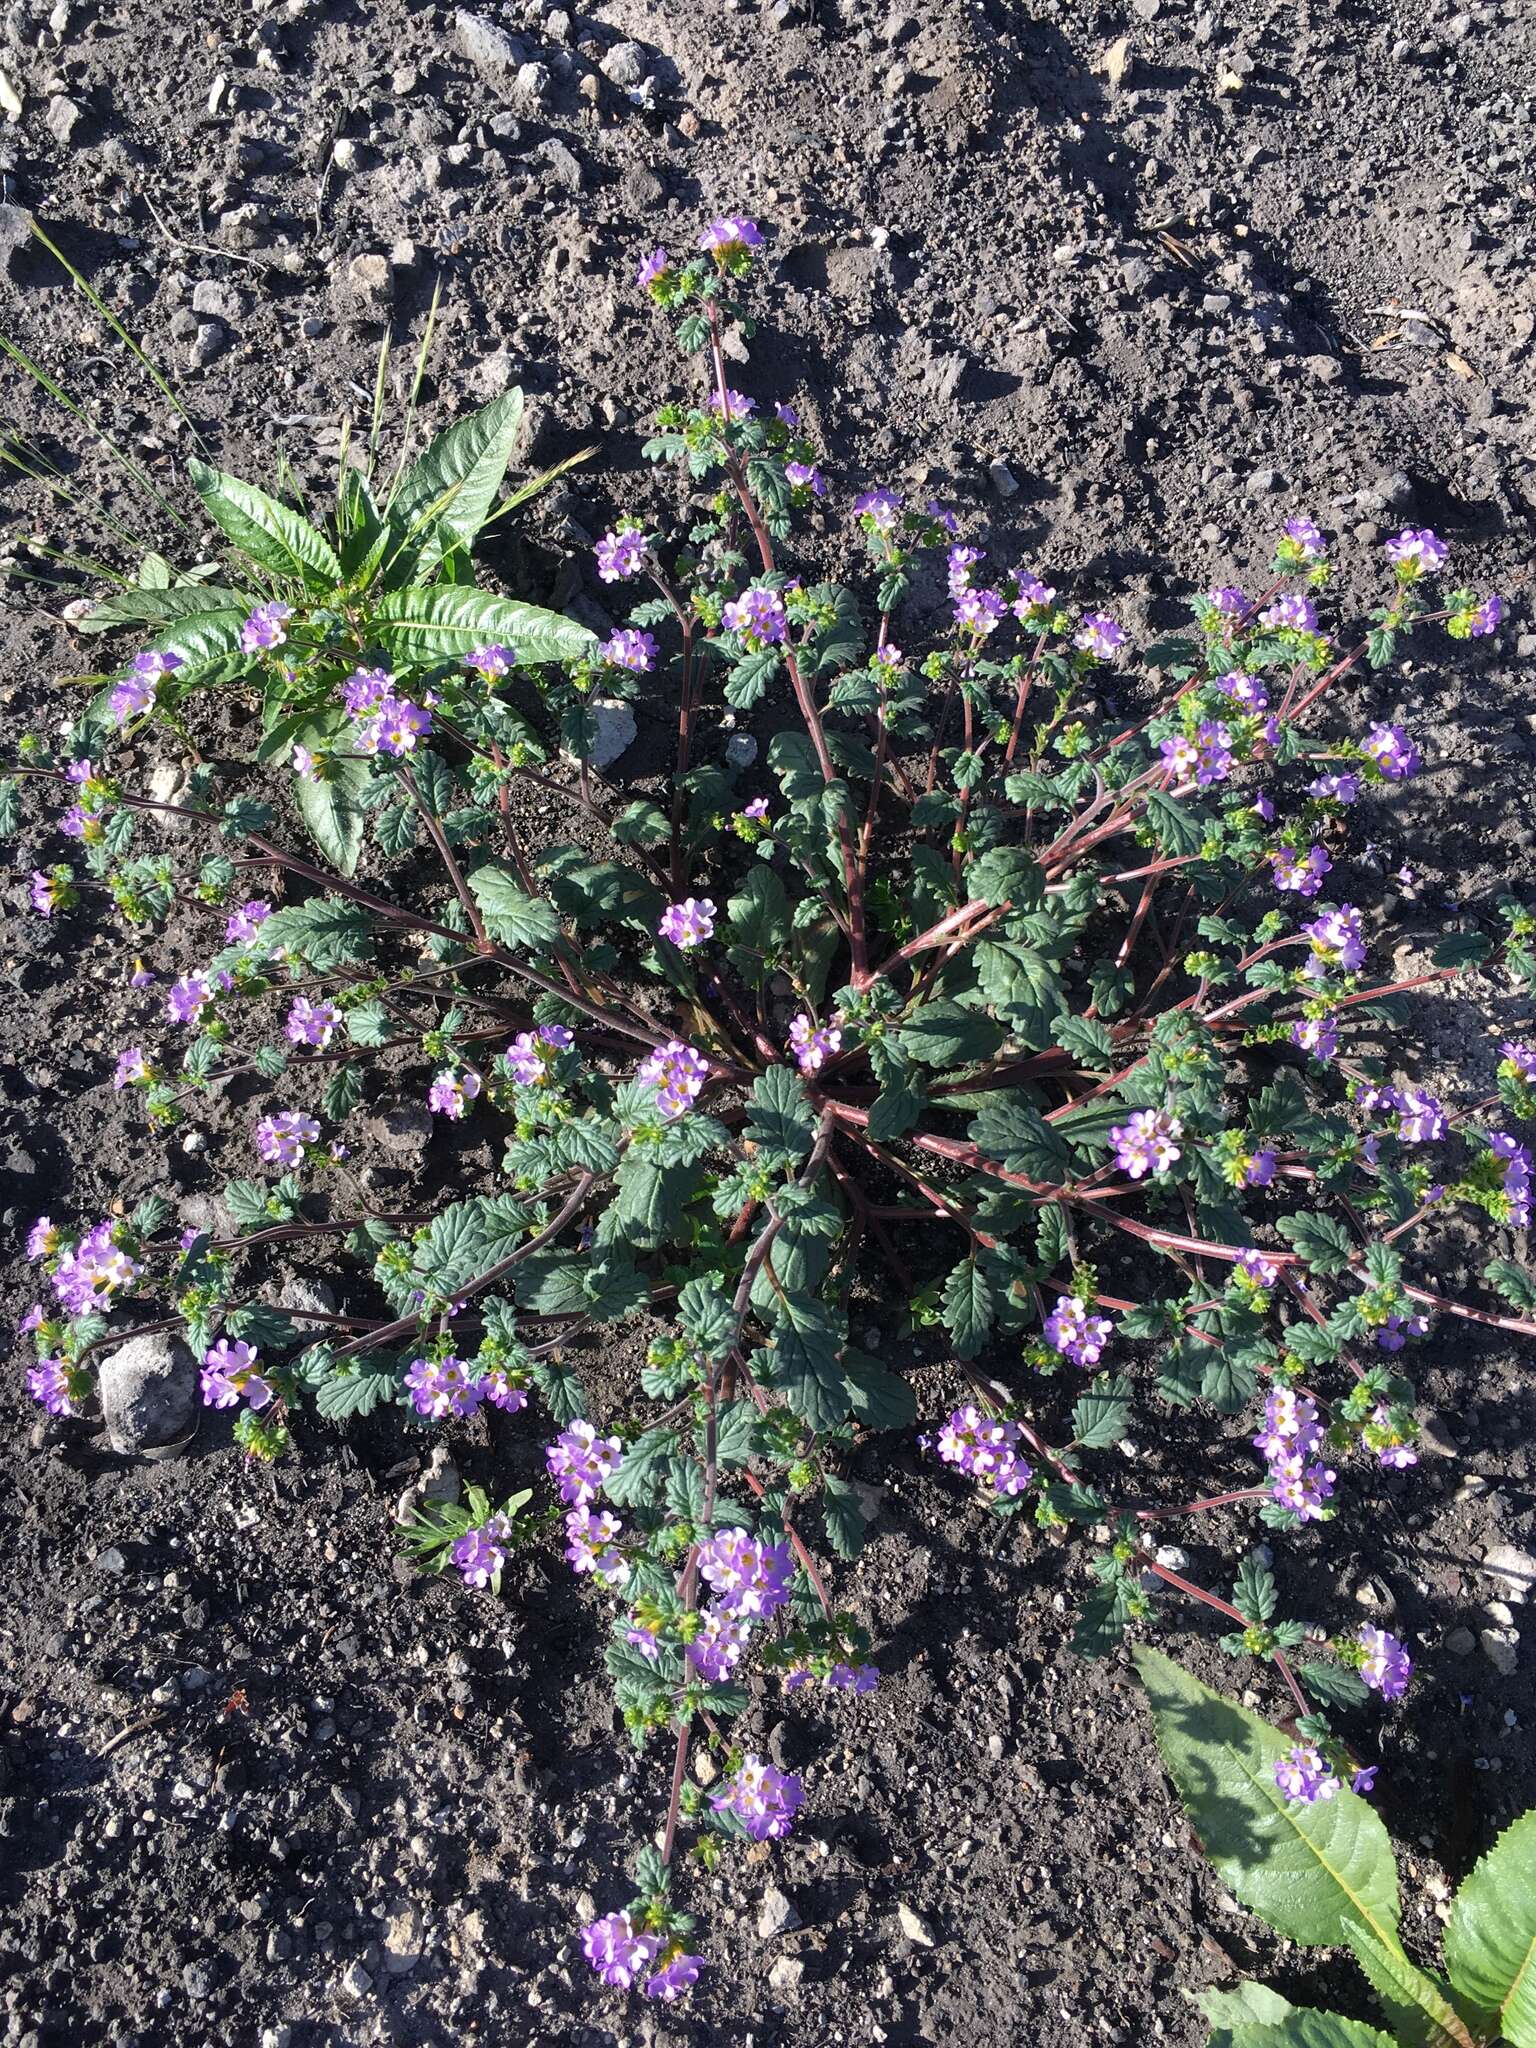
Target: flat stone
(494,54)
(616,730)
(15,237)
(1461,1642)
(404,1129)
(785,1975)
(1513,1570)
(1499,1649)
(777,1914)
(148,1393)
(63,119)
(914,1926)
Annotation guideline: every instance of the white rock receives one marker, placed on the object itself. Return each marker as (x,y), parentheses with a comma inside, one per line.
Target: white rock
(1499,1649)
(914,1926)
(148,1393)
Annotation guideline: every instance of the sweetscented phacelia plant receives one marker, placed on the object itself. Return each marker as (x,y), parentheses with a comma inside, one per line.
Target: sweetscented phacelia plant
(1324,1876)
(1055,1017)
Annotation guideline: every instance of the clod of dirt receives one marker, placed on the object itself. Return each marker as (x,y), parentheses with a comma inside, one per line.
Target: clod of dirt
(148,1393)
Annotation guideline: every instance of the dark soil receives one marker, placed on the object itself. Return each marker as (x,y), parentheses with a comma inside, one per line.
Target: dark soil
(259,1784)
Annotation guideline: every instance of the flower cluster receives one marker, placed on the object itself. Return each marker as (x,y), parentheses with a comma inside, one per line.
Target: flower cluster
(985,1448)
(1076,1334)
(678,1073)
(1147,1143)
(384,721)
(1299,1481)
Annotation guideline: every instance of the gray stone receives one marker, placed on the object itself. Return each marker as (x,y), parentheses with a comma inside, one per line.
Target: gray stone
(616,730)
(1499,1648)
(494,54)
(365,289)
(914,1926)
(531,85)
(303,1298)
(1002,479)
(785,1975)
(405,1129)
(1461,1642)
(209,342)
(148,1393)
(564,164)
(402,1938)
(214,301)
(15,236)
(357,1982)
(1514,1571)
(741,750)
(777,1914)
(63,119)
(440,1484)
(626,64)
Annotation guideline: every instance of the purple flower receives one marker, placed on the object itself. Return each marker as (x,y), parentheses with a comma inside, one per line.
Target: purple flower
(1339,789)
(1487,618)
(527,1058)
(490,661)
(653,268)
(961,561)
(881,509)
(1077,1335)
(42,1239)
(1517,1177)
(1207,756)
(1416,551)
(1264,808)
(1246,691)
(678,1072)
(87,1276)
(1033,596)
(728,234)
(264,628)
(48,1382)
(228,1372)
(887,659)
(689,923)
(1301,1487)
(1259,1168)
(1146,1142)
(1227,600)
(1393,752)
(306,765)
(1291,1428)
(1255,1267)
(497,1386)
(757,810)
(132,1067)
(950,521)
(757,615)
(1386,1664)
(1304,1777)
(1382,1435)
(365,690)
(579,1460)
(1290,613)
(141,977)
(312,1023)
(245,922)
(764,1800)
(1307,538)
(1299,873)
(617,1951)
(392,725)
(678,1976)
(450,1094)
(786,416)
(806,476)
(1317,1035)
(716,1649)
(52,891)
(282,1137)
(1364,1779)
(589,1543)
(136,692)
(188,998)
(621,554)
(1522,1058)
(751,1579)
(480,1553)
(1337,941)
(1099,635)
(442,1387)
(813,1044)
(630,648)
(979,611)
(731,405)
(1421,1116)
(984,1449)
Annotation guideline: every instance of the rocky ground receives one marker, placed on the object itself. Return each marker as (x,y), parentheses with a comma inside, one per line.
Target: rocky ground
(1127,287)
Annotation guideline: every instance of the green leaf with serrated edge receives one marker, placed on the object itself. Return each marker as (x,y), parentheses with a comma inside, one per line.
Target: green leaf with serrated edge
(325,932)
(1021,1141)
(332,810)
(1303,2027)
(735,1432)
(1254,2003)
(446,621)
(343,1092)
(1490,1941)
(1334,1685)
(1255,1593)
(162,607)
(1513,1282)
(1090,1041)
(878,1398)
(268,533)
(1101,1619)
(512,917)
(446,495)
(968,1307)
(1421,2014)
(643,1469)
(1099,1416)
(945,1035)
(1301,1868)
(843,1516)
(1325,1244)
(782,1123)
(804,1362)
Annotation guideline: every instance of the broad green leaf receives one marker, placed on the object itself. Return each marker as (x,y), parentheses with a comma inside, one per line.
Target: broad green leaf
(945,1035)
(1099,1416)
(162,607)
(1490,1942)
(1303,2027)
(803,1364)
(446,495)
(880,1399)
(1104,1613)
(512,916)
(332,810)
(268,533)
(325,932)
(444,622)
(1301,1868)
(782,1123)
(969,1310)
(1248,2002)
(1421,2014)
(1021,1141)
(844,1517)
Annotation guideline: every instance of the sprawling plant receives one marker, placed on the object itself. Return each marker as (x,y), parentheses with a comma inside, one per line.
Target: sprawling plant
(1322,1874)
(1045,1014)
